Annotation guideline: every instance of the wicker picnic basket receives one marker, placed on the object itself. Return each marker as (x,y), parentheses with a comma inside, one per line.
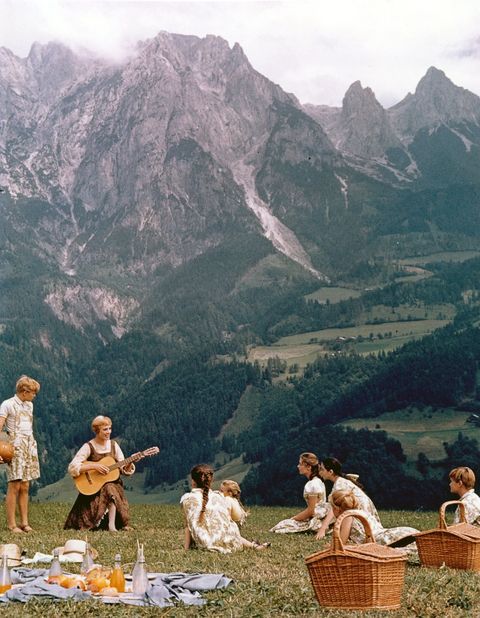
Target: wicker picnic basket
(357,576)
(456,546)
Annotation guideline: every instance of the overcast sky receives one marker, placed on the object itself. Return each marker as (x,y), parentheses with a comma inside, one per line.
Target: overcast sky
(314,49)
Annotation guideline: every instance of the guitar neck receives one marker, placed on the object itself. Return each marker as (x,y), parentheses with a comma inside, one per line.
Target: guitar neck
(121,464)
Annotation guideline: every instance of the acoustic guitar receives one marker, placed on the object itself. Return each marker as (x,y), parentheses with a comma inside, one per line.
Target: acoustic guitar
(88,483)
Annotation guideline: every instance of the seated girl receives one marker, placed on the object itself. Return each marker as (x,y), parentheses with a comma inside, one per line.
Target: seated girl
(462,483)
(331,470)
(207,518)
(352,529)
(231,491)
(315,496)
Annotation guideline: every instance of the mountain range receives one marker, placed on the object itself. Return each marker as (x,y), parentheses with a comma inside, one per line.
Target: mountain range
(142,166)
(179,202)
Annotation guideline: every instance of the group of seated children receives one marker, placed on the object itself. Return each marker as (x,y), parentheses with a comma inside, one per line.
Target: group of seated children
(212,518)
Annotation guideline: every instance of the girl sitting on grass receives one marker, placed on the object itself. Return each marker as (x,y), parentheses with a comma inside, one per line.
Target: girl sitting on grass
(462,483)
(309,519)
(231,492)
(352,529)
(207,519)
(331,470)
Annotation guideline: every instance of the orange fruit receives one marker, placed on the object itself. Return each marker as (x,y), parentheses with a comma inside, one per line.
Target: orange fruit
(98,584)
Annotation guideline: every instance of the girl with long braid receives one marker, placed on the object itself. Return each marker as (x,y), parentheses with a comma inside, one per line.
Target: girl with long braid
(208,524)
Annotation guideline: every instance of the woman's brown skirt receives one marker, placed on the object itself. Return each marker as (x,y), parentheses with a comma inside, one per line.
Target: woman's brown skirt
(88,512)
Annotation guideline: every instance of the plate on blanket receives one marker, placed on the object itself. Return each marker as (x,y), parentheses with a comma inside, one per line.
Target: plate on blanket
(150,576)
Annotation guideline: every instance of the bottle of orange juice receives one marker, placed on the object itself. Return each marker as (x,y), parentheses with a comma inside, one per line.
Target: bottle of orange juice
(5,579)
(117,578)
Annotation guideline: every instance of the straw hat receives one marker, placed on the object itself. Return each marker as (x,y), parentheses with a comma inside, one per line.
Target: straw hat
(74,550)
(13,552)
(6,451)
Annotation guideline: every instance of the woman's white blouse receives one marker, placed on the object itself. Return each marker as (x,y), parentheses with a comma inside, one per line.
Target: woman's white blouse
(84,453)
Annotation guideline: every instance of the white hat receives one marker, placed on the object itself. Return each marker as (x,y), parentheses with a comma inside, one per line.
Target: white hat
(74,550)
(13,552)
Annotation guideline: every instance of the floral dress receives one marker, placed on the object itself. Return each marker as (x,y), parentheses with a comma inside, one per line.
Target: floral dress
(19,426)
(316,488)
(364,502)
(382,536)
(215,531)
(472,508)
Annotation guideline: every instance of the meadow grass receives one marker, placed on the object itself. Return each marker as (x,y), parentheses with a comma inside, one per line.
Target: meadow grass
(333,294)
(421,430)
(273,582)
(413,327)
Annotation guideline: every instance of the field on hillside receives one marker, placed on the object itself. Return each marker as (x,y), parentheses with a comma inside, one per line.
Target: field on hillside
(304,348)
(444,256)
(64,490)
(333,294)
(273,582)
(421,430)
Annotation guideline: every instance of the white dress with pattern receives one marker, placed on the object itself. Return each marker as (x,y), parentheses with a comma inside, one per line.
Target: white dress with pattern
(472,508)
(364,503)
(215,531)
(382,536)
(18,417)
(316,488)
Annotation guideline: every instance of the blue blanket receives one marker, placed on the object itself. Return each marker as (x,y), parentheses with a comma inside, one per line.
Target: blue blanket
(163,591)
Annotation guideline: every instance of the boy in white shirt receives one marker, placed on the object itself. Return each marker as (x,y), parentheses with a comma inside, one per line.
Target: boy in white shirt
(462,483)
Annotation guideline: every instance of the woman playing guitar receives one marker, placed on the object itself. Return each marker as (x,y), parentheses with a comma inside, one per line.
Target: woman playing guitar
(107,508)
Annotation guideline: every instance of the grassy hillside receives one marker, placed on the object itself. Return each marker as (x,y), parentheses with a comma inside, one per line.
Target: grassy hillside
(64,490)
(304,348)
(274,582)
(421,430)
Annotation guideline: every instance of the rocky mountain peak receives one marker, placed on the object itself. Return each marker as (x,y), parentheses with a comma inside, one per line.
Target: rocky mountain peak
(436,100)
(359,100)
(364,128)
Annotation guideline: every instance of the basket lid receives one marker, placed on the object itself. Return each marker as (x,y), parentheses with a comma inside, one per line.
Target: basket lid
(368,551)
(462,529)
(469,530)
(374,550)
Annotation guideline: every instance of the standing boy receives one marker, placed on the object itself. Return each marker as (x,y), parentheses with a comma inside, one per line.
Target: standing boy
(16,414)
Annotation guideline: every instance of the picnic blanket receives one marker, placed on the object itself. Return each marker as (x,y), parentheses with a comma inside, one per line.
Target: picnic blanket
(163,591)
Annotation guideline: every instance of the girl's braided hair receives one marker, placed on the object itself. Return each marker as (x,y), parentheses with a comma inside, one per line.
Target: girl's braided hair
(202,474)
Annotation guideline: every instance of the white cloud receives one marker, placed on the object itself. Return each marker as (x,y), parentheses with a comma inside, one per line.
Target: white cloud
(314,49)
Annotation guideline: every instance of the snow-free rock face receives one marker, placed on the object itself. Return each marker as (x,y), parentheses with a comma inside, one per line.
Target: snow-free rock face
(364,124)
(135,158)
(114,172)
(436,100)
(431,137)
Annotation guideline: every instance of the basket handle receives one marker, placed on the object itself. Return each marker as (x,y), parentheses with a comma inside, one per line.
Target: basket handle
(337,544)
(442,524)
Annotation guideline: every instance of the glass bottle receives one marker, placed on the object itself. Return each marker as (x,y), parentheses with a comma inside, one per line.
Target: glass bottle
(5,579)
(117,578)
(139,574)
(87,560)
(55,568)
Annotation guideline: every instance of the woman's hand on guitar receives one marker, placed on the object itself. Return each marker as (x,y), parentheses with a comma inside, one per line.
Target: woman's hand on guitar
(98,467)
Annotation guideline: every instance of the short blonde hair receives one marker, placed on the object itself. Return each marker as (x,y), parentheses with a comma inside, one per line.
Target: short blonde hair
(343,499)
(25,383)
(463,475)
(99,421)
(231,487)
